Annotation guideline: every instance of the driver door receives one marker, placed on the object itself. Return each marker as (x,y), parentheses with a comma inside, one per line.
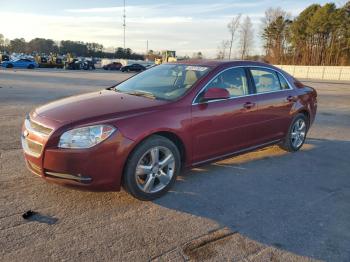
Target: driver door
(221,127)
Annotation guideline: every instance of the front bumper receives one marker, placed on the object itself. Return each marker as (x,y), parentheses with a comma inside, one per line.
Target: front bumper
(98,168)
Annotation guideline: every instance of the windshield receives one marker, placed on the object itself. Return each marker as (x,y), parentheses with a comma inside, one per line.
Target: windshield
(167,81)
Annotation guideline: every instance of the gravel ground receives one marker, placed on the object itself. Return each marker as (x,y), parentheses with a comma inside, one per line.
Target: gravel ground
(263,206)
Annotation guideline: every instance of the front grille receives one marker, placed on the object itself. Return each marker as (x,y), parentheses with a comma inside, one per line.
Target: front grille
(34,146)
(37,128)
(31,147)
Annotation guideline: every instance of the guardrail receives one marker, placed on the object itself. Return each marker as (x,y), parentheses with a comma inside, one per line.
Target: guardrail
(340,73)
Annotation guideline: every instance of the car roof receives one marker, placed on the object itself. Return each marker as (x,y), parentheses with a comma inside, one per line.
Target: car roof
(221,63)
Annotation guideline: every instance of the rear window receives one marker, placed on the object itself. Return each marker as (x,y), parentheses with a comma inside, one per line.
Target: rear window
(265,80)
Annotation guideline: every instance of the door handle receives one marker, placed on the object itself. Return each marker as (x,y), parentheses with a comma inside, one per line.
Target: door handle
(248,105)
(291,98)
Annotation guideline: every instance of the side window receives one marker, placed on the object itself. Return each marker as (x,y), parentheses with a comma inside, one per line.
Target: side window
(265,80)
(283,82)
(233,80)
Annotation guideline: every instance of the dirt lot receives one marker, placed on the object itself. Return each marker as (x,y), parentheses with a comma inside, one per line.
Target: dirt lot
(262,206)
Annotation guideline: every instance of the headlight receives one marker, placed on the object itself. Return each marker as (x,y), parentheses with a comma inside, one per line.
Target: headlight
(85,137)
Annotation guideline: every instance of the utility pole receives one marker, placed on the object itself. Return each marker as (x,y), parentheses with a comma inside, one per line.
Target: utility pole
(124,24)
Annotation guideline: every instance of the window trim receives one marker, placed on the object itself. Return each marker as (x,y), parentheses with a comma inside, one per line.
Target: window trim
(250,82)
(279,78)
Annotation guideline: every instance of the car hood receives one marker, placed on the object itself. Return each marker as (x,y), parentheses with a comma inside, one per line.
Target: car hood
(97,104)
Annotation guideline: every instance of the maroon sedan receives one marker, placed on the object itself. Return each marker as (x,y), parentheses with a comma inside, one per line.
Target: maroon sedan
(113,66)
(141,133)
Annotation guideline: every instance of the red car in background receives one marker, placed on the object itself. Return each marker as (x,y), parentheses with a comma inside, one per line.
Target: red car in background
(144,131)
(113,66)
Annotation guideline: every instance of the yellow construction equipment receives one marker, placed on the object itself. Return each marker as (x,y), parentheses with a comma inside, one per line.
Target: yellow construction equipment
(167,56)
(51,61)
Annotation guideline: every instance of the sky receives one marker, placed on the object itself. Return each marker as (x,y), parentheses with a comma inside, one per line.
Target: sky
(185,26)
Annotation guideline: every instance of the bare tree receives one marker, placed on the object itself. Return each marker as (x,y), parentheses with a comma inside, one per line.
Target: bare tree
(232,28)
(246,37)
(222,49)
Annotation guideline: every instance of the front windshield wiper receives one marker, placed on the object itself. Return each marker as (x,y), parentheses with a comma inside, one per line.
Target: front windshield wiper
(110,88)
(140,93)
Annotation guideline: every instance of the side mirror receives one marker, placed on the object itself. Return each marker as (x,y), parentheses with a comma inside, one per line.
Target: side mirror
(216,93)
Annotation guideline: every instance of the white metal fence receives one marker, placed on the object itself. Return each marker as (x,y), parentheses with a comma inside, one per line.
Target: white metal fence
(340,73)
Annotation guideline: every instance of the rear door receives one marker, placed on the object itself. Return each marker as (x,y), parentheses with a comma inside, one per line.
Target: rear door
(224,126)
(275,99)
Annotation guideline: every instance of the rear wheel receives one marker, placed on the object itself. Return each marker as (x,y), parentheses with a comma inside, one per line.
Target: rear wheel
(9,66)
(152,168)
(296,134)
(30,67)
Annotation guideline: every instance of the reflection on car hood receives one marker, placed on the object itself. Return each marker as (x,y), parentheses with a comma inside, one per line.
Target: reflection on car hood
(95,104)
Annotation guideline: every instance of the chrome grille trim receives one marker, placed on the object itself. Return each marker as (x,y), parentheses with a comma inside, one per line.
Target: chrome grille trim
(31,147)
(36,128)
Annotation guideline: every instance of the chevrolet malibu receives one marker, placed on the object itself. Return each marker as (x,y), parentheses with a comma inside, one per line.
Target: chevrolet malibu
(142,132)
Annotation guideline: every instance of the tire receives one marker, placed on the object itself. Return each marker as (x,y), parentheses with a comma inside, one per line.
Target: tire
(9,66)
(296,134)
(30,67)
(146,176)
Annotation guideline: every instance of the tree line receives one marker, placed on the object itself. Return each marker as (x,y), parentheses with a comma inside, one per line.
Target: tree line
(319,35)
(77,48)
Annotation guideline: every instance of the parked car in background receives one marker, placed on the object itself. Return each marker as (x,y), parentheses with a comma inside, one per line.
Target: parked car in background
(133,68)
(77,64)
(73,64)
(88,65)
(20,63)
(145,130)
(112,66)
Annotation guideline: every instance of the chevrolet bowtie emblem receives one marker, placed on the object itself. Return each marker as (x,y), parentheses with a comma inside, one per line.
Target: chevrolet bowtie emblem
(25,133)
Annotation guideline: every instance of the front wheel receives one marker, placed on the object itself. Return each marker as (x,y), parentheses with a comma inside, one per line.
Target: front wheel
(9,66)
(152,168)
(296,134)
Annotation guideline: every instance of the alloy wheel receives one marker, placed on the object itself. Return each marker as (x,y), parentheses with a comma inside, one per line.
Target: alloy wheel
(155,169)
(298,133)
